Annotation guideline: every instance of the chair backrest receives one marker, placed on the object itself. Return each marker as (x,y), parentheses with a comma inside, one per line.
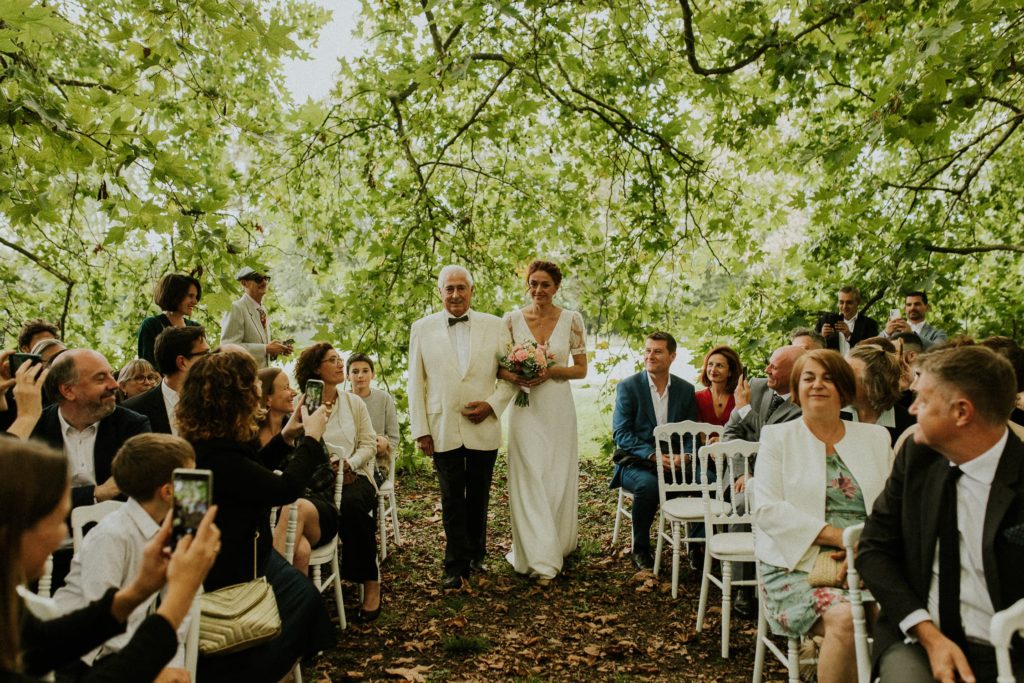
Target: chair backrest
(1003,627)
(680,439)
(851,537)
(730,460)
(89,514)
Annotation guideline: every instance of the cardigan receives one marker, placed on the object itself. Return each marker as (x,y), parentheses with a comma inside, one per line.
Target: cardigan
(149,330)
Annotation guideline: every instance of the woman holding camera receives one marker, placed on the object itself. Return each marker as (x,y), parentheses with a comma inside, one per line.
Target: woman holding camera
(34,504)
(217,412)
(816,476)
(349,436)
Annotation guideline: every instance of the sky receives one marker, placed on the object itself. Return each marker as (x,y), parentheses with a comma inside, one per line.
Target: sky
(314,77)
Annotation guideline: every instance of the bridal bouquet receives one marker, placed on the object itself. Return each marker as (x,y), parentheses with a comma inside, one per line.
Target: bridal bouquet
(526,359)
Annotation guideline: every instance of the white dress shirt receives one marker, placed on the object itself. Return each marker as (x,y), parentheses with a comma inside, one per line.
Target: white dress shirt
(660,401)
(459,336)
(844,343)
(170,403)
(79,446)
(972,491)
(109,558)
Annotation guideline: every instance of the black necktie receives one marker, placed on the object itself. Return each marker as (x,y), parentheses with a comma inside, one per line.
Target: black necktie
(774,405)
(460,319)
(949,563)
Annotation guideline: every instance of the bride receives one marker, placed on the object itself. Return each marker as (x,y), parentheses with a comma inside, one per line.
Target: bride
(543,466)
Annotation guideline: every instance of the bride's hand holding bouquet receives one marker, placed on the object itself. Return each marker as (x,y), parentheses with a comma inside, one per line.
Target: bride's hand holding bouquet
(527,364)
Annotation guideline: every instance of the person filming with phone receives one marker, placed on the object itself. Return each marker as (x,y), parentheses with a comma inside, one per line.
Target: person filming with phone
(844,329)
(916,307)
(350,439)
(217,413)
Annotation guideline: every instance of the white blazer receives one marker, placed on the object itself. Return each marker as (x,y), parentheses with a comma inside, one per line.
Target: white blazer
(789,486)
(241,325)
(438,391)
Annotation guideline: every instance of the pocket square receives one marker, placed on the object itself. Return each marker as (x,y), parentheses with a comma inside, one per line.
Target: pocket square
(1015,534)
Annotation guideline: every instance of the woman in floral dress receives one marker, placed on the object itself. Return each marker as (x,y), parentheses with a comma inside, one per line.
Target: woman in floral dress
(815,477)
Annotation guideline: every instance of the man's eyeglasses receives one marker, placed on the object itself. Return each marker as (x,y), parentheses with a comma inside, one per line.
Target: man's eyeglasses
(259,279)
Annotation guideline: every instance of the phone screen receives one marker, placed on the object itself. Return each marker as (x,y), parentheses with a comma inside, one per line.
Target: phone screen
(314,394)
(894,314)
(16,360)
(193,492)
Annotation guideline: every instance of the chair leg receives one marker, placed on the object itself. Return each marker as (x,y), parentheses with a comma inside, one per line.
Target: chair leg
(793,659)
(726,604)
(675,559)
(297,672)
(657,549)
(618,518)
(759,648)
(394,516)
(382,529)
(705,580)
(338,599)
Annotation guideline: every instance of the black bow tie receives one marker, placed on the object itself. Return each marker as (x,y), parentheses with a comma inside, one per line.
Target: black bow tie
(460,319)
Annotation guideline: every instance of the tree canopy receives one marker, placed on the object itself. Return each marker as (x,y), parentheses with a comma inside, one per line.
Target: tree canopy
(718,169)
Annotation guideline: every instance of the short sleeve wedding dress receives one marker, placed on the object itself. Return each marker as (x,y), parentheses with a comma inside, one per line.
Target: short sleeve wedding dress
(543,463)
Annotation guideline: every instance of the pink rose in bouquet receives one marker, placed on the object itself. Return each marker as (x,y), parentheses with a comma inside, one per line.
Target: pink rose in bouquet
(526,359)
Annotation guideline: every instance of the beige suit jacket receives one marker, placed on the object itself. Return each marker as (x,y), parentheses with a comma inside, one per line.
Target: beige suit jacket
(241,325)
(438,392)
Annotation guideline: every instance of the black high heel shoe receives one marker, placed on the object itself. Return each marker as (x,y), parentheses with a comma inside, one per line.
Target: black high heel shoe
(364,617)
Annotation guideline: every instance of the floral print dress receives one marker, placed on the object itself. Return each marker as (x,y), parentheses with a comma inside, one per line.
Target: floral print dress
(792,604)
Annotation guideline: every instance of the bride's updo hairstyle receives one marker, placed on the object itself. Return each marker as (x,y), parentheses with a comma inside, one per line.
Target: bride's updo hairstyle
(548,267)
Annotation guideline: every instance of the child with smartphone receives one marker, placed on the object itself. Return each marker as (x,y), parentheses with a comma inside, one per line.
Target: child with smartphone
(110,553)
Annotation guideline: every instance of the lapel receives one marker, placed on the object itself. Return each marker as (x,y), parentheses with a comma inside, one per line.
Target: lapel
(932,483)
(644,389)
(439,330)
(254,316)
(103,451)
(1001,495)
(675,400)
(476,337)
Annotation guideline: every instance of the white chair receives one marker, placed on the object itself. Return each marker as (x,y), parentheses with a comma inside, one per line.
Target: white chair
(43,588)
(621,511)
(681,480)
(387,505)
(89,514)
(861,643)
(1003,627)
(731,459)
(289,555)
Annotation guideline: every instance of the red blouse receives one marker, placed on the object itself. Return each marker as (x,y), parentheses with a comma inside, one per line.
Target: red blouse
(706,408)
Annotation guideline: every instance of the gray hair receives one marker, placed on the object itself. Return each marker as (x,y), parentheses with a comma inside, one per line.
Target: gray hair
(45,344)
(63,371)
(449,270)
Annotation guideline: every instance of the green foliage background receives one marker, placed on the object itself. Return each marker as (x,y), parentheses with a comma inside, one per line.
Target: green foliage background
(715,169)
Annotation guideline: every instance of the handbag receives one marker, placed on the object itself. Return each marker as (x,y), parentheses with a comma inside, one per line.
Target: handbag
(238,617)
(825,573)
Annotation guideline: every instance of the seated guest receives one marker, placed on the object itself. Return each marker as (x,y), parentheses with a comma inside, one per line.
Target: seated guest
(381,405)
(176,349)
(1009,350)
(27,388)
(35,331)
(643,401)
(878,389)
(883,343)
(806,338)
(815,476)
(33,506)
(720,373)
(220,402)
(908,348)
(845,329)
(136,377)
(317,521)
(939,551)
(49,349)
(112,551)
(349,435)
(177,296)
(32,332)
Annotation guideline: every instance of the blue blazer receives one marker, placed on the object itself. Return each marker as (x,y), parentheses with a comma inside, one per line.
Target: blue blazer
(633,421)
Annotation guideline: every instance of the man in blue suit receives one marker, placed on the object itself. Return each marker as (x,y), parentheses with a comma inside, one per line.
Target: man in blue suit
(643,401)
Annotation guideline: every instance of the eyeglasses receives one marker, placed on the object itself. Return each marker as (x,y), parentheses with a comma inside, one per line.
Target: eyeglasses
(198,353)
(152,377)
(259,279)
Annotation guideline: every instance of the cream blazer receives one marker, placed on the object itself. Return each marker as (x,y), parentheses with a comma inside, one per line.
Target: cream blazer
(438,391)
(349,434)
(241,325)
(789,486)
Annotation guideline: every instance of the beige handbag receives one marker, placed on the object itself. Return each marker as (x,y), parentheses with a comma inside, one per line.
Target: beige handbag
(238,617)
(825,573)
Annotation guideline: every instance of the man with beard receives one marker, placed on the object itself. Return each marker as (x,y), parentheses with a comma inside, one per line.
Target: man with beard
(86,422)
(917,307)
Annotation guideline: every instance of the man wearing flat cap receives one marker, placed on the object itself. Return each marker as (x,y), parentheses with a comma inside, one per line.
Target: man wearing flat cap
(246,323)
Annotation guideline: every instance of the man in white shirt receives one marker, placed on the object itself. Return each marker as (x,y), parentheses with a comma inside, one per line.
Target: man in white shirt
(111,552)
(917,307)
(175,350)
(843,330)
(247,323)
(939,551)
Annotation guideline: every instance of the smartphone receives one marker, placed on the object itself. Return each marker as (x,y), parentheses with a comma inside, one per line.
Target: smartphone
(894,314)
(289,342)
(193,495)
(314,394)
(16,360)
(744,372)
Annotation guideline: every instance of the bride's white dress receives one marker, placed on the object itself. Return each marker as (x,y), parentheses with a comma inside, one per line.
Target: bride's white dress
(543,463)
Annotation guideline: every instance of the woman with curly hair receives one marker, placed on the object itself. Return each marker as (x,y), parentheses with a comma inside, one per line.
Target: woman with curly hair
(350,437)
(217,412)
(878,389)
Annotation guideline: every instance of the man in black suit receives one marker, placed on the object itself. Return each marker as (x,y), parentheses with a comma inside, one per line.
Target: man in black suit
(842,331)
(175,350)
(940,551)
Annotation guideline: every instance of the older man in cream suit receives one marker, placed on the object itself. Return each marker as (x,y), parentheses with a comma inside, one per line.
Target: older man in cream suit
(246,323)
(455,402)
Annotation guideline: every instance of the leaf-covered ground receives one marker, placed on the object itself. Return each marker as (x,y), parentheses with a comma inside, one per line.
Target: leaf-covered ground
(600,620)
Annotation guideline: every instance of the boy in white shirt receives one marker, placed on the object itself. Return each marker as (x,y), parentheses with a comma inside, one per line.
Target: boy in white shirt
(111,552)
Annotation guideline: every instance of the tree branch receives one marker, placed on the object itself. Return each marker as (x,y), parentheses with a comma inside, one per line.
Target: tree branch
(435,35)
(979,249)
(37,260)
